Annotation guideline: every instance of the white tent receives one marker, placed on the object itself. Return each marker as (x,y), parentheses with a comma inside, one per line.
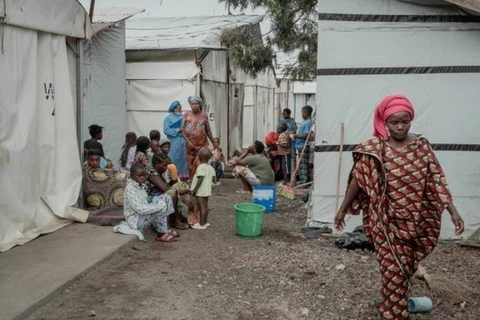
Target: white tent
(102,96)
(39,162)
(371,48)
(170,59)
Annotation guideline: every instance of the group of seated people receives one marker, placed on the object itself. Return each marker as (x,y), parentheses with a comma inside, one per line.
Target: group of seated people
(167,182)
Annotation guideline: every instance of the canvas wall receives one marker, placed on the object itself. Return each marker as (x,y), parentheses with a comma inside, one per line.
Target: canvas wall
(39,160)
(103,88)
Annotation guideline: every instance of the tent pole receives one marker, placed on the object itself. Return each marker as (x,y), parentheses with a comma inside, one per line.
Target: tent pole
(79,98)
(228,105)
(92,9)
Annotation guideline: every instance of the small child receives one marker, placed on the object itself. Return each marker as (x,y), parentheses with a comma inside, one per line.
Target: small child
(202,186)
(171,175)
(139,214)
(153,150)
(284,150)
(96,134)
(218,161)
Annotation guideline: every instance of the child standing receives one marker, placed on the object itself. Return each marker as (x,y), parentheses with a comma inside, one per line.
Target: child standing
(284,150)
(202,186)
(139,214)
(300,140)
(218,161)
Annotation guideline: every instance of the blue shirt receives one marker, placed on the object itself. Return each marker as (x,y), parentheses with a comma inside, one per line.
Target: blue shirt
(303,129)
(291,124)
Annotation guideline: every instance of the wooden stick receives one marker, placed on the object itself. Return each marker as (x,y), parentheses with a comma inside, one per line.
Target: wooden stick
(339,170)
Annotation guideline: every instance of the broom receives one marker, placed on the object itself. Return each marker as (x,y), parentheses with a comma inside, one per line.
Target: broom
(445,288)
(339,169)
(287,191)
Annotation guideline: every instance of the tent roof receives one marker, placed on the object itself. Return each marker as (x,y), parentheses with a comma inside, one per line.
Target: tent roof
(182,33)
(473,5)
(64,17)
(109,16)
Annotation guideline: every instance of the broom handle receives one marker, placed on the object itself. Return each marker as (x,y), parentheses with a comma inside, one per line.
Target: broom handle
(339,169)
(297,167)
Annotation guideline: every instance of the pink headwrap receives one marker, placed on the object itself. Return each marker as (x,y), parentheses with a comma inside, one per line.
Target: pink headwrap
(388,106)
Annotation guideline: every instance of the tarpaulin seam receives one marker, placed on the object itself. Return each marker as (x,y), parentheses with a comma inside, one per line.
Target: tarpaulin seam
(397,70)
(398,18)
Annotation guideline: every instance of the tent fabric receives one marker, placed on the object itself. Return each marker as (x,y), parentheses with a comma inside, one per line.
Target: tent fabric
(63,17)
(148,102)
(103,88)
(183,32)
(444,102)
(39,161)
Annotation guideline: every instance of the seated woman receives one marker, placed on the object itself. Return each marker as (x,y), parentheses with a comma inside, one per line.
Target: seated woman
(253,168)
(128,152)
(185,204)
(101,188)
(155,185)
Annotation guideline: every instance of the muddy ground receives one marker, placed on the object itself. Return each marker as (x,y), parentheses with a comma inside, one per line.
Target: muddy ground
(214,274)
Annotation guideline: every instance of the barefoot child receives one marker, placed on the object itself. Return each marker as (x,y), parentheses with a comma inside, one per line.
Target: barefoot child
(139,214)
(218,161)
(202,186)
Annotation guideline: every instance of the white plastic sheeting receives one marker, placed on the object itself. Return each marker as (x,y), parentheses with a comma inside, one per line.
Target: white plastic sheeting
(103,88)
(445,103)
(64,17)
(182,32)
(148,99)
(39,162)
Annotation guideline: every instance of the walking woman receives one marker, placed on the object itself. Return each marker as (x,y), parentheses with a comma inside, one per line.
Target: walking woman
(172,127)
(196,131)
(399,185)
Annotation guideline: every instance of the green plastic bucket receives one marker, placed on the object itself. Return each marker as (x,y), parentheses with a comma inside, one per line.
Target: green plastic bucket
(248,219)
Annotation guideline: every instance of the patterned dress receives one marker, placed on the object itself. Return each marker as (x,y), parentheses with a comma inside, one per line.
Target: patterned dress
(195,128)
(102,188)
(403,194)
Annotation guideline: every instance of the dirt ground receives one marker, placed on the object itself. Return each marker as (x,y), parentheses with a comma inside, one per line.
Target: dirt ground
(214,274)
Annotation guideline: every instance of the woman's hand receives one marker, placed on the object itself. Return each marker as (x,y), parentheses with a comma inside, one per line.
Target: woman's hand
(339,221)
(458,222)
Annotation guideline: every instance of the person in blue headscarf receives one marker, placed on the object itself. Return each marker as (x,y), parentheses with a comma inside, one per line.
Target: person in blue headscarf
(172,127)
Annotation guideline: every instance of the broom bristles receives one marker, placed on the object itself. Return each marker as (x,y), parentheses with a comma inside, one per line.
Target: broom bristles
(448,288)
(287,192)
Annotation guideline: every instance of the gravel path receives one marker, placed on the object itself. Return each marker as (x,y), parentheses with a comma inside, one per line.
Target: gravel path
(214,274)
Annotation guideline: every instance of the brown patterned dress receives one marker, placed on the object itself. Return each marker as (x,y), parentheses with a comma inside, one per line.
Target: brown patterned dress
(403,194)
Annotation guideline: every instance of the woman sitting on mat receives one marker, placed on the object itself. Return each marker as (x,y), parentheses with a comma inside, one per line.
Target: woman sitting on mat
(101,188)
(253,168)
(399,185)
